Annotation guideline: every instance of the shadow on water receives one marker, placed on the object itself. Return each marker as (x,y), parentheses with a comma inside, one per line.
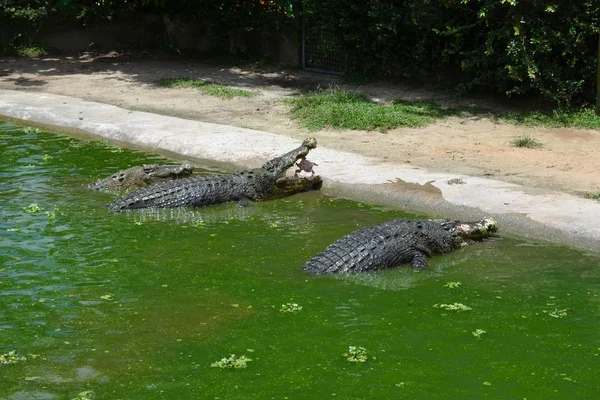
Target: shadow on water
(140,304)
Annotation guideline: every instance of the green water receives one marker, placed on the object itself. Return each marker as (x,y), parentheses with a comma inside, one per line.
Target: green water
(139,305)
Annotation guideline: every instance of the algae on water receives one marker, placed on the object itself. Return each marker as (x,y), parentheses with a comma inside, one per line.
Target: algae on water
(11,358)
(231,362)
(453,307)
(453,285)
(356,354)
(290,308)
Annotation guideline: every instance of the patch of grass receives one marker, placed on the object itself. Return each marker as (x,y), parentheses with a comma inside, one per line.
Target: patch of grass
(341,109)
(25,50)
(31,51)
(594,195)
(525,141)
(210,88)
(584,118)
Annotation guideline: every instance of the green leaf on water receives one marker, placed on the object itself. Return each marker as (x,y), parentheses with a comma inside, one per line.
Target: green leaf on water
(87,395)
(12,357)
(290,308)
(231,362)
(452,307)
(356,354)
(32,209)
(559,313)
(478,333)
(453,285)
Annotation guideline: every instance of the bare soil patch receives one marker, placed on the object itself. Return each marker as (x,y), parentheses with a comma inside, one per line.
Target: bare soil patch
(568,161)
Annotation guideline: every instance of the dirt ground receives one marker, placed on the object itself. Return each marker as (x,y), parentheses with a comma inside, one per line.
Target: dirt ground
(568,161)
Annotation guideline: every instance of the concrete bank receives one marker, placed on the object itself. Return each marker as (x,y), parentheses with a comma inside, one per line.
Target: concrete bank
(533,213)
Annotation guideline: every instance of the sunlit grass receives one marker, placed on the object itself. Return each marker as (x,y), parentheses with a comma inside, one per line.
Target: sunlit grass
(341,109)
(31,51)
(209,88)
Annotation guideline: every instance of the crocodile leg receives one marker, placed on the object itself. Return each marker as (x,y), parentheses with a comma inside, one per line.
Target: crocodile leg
(419,260)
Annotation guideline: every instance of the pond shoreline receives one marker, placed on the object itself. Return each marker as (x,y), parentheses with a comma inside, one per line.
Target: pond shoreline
(534,213)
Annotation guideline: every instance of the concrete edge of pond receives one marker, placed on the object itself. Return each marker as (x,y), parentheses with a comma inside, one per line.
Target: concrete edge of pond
(533,213)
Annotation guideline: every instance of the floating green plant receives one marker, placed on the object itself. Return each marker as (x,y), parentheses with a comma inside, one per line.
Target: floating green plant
(11,358)
(453,307)
(290,308)
(478,333)
(231,362)
(33,209)
(15,229)
(453,285)
(47,157)
(356,354)
(87,395)
(559,313)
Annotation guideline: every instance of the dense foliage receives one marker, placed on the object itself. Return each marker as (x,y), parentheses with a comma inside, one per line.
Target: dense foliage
(506,46)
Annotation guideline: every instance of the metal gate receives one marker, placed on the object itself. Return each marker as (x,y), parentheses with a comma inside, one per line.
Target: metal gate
(322,53)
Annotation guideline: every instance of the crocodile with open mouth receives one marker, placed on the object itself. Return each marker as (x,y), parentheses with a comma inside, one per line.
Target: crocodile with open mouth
(264,183)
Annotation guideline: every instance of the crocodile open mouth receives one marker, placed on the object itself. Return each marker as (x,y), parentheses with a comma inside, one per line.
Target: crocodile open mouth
(289,185)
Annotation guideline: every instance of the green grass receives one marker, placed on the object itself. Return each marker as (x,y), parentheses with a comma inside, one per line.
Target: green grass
(25,50)
(209,88)
(584,118)
(594,195)
(525,141)
(340,109)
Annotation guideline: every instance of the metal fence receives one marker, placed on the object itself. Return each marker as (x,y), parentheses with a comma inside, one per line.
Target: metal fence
(321,53)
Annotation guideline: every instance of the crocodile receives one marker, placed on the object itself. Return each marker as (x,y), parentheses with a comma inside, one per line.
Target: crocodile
(140,176)
(396,242)
(264,183)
